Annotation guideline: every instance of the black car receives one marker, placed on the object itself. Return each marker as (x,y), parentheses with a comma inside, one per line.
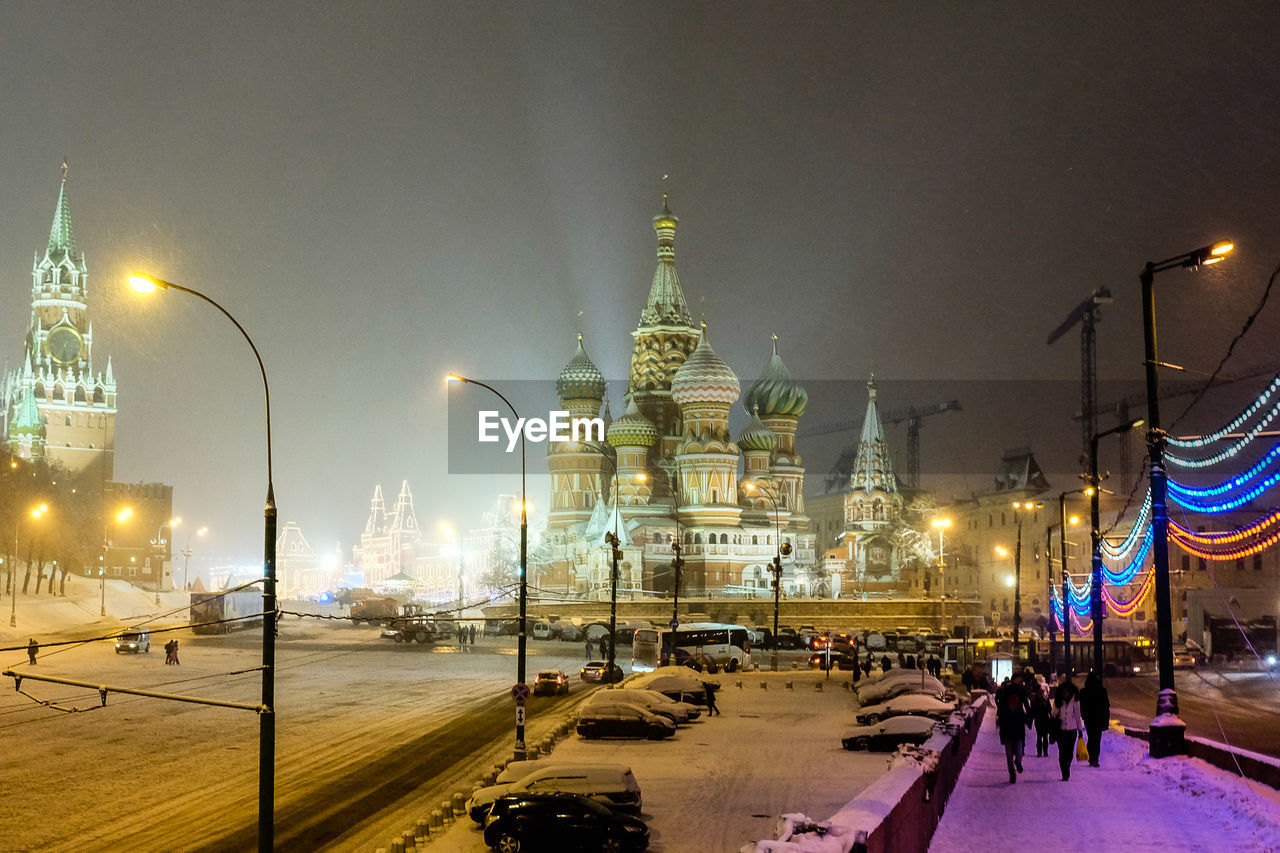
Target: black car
(550,682)
(526,822)
(838,660)
(888,734)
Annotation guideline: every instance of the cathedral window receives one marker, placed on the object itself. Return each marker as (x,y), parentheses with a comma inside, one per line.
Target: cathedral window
(697,539)
(755,540)
(724,538)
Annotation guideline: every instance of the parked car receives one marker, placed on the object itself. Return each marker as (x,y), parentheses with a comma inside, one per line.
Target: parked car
(898,681)
(570,632)
(622,719)
(650,700)
(541,630)
(550,682)
(133,642)
(787,638)
(839,660)
(908,703)
(612,785)
(888,734)
(525,822)
(676,682)
(594,672)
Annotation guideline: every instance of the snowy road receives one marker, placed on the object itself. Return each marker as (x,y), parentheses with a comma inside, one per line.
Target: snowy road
(1240,708)
(366,729)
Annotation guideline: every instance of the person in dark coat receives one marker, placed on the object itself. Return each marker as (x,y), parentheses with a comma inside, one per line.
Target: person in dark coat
(709,690)
(885,664)
(866,666)
(1039,707)
(1011,720)
(33,648)
(471,635)
(1095,711)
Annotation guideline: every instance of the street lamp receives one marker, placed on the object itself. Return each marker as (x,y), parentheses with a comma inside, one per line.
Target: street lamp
(144,283)
(452,535)
(1018,508)
(782,549)
(1095,538)
(941,525)
(1063,521)
(522,636)
(13,584)
(186,555)
(1165,739)
(121,517)
(159,542)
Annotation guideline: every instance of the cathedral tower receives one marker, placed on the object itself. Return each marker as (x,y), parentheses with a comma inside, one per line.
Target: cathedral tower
(780,401)
(75,407)
(577,468)
(706,388)
(664,339)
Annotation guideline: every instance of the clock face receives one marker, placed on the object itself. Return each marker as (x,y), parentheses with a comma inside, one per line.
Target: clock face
(64,345)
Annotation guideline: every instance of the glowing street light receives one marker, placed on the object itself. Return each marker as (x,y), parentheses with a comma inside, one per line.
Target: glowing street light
(782,549)
(144,283)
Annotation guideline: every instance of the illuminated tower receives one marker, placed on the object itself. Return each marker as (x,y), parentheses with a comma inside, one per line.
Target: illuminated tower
(577,469)
(664,339)
(705,389)
(780,401)
(75,407)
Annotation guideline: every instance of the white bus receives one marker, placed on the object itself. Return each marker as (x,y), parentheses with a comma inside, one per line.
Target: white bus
(727,646)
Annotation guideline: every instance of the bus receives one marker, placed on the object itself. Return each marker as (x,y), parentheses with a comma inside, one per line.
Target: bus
(1127,656)
(727,646)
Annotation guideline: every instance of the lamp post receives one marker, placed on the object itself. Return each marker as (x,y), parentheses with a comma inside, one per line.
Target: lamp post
(1165,739)
(779,552)
(522,636)
(1063,520)
(1018,508)
(121,516)
(159,543)
(186,555)
(941,525)
(1095,539)
(13,585)
(144,283)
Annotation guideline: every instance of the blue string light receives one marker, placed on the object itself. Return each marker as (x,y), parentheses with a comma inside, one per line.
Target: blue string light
(1204,440)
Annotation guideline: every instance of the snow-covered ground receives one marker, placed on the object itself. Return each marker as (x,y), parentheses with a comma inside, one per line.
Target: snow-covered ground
(1132,803)
(723,781)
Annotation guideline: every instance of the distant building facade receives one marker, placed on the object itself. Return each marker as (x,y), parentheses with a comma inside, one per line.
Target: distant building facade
(391,541)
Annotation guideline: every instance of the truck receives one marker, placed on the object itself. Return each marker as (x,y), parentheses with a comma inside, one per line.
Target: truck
(373,608)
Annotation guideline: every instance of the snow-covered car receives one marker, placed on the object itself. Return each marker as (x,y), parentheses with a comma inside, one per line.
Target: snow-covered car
(620,719)
(676,682)
(908,703)
(650,700)
(555,822)
(550,682)
(898,681)
(614,785)
(594,672)
(133,642)
(888,734)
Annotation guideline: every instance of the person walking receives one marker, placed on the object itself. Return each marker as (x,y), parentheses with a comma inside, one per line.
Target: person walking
(1011,721)
(588,648)
(1039,706)
(1095,711)
(1066,710)
(176,662)
(33,648)
(471,641)
(710,690)
(884,663)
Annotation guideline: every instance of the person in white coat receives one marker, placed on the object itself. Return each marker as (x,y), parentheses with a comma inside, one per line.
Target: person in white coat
(1066,710)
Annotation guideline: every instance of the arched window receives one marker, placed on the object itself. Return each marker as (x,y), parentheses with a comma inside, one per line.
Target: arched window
(755,540)
(80,398)
(697,539)
(688,538)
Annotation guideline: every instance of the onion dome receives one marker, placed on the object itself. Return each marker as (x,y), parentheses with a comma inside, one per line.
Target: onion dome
(704,378)
(756,436)
(632,429)
(775,392)
(580,379)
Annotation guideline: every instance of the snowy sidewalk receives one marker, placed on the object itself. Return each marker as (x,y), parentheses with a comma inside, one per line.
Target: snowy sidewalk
(1132,802)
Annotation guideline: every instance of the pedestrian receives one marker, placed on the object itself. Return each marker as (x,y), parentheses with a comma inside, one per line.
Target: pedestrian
(857,671)
(175,653)
(884,663)
(168,653)
(866,666)
(604,648)
(1066,710)
(710,690)
(1039,706)
(1011,720)
(588,648)
(967,678)
(33,648)
(902,661)
(911,662)
(472,639)
(1095,712)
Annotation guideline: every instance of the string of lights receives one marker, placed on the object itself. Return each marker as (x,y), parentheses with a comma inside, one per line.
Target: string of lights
(1239,421)
(1134,537)
(1228,452)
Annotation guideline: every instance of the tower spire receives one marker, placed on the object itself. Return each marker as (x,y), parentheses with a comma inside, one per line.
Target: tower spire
(666,305)
(62,240)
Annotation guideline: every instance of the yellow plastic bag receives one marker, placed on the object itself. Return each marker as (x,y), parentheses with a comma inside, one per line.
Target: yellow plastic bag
(1082,752)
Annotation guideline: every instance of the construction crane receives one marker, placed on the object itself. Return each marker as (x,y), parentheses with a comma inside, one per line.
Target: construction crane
(1087,314)
(912,415)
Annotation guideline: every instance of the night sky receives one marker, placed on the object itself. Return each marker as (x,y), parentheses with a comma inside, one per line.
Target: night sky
(385,192)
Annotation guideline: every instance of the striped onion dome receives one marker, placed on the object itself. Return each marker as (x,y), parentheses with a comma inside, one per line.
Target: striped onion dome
(580,379)
(632,429)
(756,436)
(775,392)
(704,378)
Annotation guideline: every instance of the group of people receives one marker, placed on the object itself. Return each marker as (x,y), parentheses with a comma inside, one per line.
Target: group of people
(466,635)
(171,653)
(1059,716)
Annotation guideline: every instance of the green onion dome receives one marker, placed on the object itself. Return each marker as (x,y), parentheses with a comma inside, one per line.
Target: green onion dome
(756,436)
(775,392)
(632,429)
(704,378)
(580,379)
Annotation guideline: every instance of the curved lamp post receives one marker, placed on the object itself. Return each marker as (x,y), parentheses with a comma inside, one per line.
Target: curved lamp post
(13,585)
(1165,739)
(121,517)
(144,283)
(1063,521)
(1095,539)
(782,549)
(186,555)
(1019,507)
(941,525)
(159,542)
(522,637)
